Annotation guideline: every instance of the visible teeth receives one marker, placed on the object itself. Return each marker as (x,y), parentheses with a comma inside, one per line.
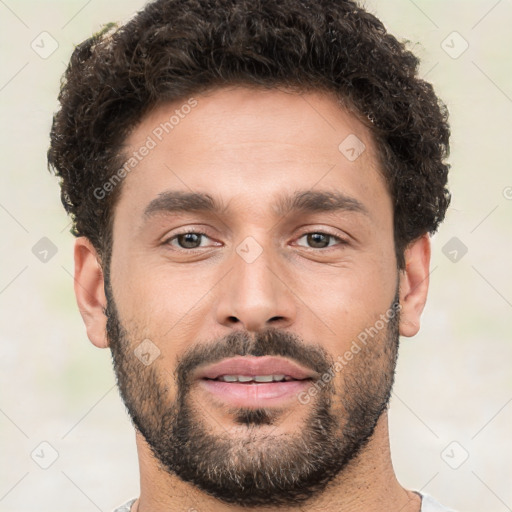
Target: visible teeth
(263,378)
(256,378)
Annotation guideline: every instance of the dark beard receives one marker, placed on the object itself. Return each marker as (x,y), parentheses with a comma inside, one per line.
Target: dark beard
(257,469)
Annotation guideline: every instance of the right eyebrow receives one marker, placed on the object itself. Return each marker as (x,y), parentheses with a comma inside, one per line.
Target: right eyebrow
(176,201)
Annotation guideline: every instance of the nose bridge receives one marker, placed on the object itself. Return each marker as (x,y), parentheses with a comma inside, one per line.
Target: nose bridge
(254,296)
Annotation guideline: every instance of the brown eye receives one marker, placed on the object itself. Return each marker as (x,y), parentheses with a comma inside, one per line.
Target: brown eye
(319,240)
(189,240)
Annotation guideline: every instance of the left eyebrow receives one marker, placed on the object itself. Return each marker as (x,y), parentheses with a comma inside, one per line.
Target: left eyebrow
(317,201)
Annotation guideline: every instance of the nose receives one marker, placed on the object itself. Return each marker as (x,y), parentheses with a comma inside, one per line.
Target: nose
(254,295)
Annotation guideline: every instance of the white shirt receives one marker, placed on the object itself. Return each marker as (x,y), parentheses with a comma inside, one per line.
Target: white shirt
(429,504)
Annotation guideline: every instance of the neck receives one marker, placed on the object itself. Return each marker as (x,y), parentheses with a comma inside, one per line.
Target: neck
(367,484)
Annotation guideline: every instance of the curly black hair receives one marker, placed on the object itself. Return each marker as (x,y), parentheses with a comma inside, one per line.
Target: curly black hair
(175,48)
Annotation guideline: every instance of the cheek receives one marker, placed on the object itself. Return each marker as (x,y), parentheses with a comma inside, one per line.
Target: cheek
(344,301)
(165,305)
(154,294)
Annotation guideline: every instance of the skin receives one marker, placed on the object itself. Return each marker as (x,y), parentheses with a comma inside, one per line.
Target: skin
(246,148)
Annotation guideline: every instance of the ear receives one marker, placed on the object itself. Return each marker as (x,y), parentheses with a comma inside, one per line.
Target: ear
(414,281)
(90,292)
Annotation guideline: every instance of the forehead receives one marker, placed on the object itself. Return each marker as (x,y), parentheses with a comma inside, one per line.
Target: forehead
(250,146)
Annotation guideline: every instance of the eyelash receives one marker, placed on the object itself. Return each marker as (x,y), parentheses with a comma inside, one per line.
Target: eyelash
(340,241)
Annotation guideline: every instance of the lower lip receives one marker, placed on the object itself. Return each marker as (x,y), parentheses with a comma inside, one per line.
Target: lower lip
(272,394)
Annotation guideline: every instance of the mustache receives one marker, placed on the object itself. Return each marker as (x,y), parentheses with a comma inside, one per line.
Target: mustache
(270,342)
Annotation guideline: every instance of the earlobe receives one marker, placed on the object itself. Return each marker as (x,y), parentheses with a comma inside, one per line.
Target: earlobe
(90,292)
(414,280)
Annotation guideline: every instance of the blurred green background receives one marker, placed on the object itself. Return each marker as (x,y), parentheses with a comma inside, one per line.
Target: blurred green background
(452,405)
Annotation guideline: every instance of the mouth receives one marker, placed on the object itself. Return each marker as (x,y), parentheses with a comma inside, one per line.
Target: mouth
(254,382)
(254,379)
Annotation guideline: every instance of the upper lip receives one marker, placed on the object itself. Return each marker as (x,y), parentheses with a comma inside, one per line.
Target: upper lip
(253,366)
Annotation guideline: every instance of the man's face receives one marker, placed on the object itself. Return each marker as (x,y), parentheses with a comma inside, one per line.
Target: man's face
(261,290)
